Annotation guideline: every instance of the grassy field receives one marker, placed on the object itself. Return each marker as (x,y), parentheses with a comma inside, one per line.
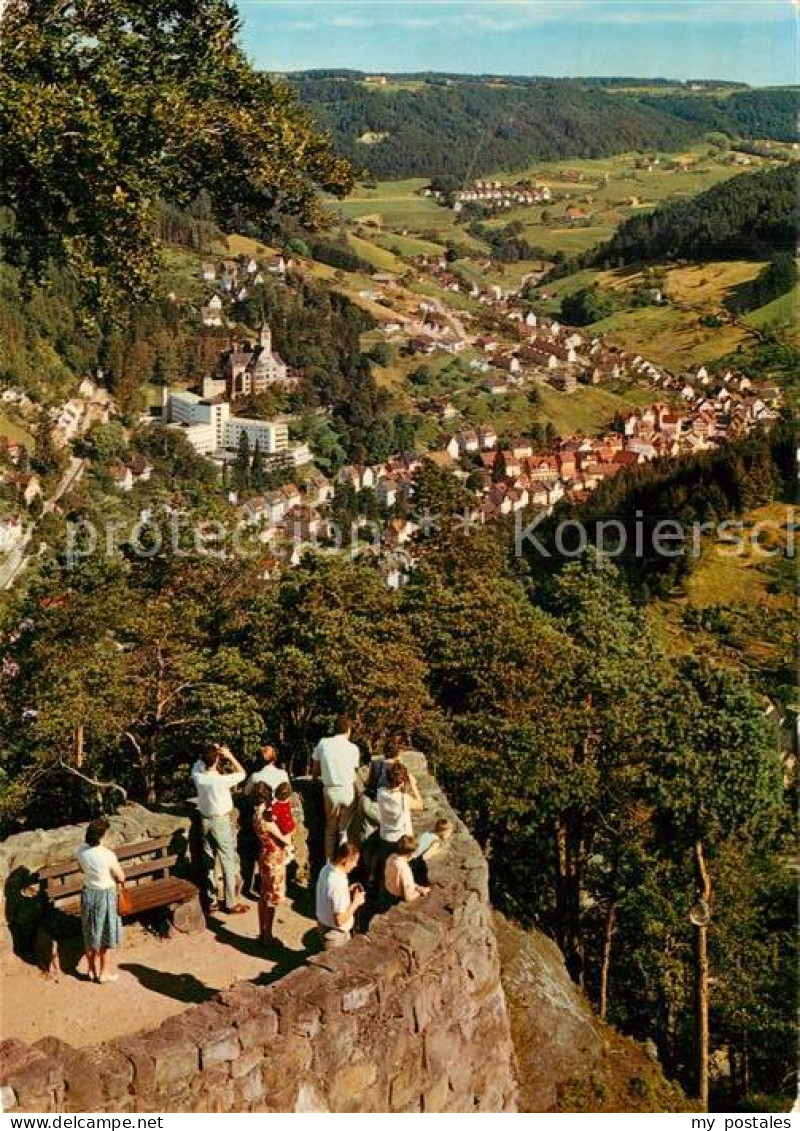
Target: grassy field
(781,314)
(15,432)
(380,258)
(670,336)
(244,245)
(723,575)
(750,600)
(610,189)
(406,245)
(708,284)
(588,410)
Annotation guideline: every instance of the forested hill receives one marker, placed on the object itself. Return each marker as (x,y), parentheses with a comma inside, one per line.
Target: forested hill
(752,114)
(472,127)
(750,216)
(421,125)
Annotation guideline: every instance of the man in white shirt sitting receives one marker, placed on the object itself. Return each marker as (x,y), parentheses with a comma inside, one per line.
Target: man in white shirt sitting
(270,773)
(335,760)
(337,899)
(216,806)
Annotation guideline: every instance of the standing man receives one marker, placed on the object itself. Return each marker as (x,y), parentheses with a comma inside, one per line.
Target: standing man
(216,807)
(335,761)
(338,899)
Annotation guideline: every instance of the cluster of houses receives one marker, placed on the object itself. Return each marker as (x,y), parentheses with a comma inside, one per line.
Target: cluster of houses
(494,194)
(545,350)
(506,477)
(234,279)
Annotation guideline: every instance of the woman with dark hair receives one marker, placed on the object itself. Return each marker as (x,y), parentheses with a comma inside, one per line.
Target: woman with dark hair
(271,863)
(397,800)
(100,921)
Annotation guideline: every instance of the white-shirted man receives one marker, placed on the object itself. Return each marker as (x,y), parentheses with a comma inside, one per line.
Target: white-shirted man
(270,773)
(337,900)
(335,760)
(215,803)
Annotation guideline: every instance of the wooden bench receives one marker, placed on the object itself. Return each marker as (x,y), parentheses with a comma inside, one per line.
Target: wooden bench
(149,883)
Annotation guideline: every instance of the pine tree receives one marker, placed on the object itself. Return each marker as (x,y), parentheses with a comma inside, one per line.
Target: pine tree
(257,468)
(241,467)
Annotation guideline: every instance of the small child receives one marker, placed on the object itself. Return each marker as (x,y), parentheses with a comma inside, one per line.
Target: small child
(429,844)
(282,814)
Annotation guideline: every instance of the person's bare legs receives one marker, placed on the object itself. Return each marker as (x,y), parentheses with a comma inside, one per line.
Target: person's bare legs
(267,917)
(91,962)
(106,968)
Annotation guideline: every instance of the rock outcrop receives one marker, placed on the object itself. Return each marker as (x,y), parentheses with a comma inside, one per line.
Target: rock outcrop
(567,1059)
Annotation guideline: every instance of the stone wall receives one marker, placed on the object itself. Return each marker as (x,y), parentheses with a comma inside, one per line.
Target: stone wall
(409,1017)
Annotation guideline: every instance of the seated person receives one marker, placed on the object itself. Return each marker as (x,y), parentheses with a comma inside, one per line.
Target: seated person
(398,879)
(428,845)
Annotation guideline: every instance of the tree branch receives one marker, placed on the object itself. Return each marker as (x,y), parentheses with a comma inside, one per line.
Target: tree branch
(93,781)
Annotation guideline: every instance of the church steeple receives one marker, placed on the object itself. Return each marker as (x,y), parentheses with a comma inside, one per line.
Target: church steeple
(265,335)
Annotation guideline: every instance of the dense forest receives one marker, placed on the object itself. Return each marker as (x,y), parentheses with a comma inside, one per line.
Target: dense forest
(473,126)
(752,114)
(749,217)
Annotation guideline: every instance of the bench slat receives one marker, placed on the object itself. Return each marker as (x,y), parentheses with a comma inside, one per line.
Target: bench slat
(147,867)
(147,897)
(56,870)
(56,891)
(124,852)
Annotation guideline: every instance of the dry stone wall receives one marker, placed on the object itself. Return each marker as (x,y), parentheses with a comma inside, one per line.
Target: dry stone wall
(408,1017)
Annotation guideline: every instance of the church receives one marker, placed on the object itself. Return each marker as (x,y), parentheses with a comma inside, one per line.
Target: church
(249,368)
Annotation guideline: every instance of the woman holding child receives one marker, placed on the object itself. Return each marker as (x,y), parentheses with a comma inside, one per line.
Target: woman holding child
(273,852)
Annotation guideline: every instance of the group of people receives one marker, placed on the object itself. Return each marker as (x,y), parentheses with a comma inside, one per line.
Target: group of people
(369,831)
(370,849)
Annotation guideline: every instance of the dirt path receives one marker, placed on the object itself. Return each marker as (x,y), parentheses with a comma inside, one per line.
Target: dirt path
(159,977)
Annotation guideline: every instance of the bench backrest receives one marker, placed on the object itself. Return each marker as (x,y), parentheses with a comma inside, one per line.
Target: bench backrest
(58,881)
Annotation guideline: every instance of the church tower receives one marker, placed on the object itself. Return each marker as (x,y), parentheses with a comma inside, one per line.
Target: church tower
(265,338)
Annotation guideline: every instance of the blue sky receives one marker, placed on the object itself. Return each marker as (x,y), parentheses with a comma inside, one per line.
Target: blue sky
(748,40)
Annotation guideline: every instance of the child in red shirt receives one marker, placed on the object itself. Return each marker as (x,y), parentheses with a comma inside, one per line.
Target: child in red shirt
(282,813)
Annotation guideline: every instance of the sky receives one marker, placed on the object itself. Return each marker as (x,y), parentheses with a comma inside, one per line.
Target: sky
(753,41)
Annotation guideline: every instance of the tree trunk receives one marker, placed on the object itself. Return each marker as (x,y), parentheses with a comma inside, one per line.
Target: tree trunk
(744,1069)
(79,740)
(701,981)
(561,884)
(605,964)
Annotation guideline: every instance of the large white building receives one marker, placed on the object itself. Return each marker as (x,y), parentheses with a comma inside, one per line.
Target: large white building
(211,428)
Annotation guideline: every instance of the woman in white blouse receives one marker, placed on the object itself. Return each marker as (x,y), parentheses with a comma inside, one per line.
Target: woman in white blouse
(102,926)
(396,802)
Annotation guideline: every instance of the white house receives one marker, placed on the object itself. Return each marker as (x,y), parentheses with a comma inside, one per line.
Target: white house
(11,533)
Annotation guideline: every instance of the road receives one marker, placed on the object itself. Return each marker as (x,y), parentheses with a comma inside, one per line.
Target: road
(14,563)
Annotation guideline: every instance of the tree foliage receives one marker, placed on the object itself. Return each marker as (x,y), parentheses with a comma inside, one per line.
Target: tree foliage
(107,108)
(749,216)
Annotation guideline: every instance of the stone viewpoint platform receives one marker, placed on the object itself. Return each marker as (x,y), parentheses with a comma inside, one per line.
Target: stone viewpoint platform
(410,1016)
